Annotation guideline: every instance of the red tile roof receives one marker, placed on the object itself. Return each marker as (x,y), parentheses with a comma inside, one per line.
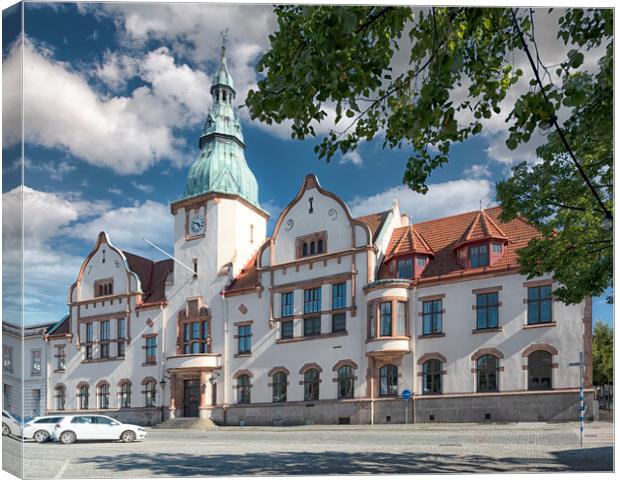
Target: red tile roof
(247,278)
(375,222)
(407,240)
(482,227)
(444,233)
(152,276)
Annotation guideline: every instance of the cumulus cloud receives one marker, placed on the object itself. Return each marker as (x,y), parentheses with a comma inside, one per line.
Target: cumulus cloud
(127,226)
(442,199)
(352,157)
(126,133)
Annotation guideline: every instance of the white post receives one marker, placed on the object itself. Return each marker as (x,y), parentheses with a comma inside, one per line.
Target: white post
(372,401)
(581,402)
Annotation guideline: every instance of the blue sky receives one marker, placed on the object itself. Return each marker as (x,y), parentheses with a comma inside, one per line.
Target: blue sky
(115,97)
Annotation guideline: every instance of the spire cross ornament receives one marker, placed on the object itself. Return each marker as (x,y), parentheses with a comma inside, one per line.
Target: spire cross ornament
(224,35)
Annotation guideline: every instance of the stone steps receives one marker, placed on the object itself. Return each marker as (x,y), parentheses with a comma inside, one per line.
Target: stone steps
(186,423)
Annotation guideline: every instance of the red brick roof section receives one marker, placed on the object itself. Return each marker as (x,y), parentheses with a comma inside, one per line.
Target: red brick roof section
(247,278)
(407,240)
(482,227)
(374,221)
(152,276)
(443,234)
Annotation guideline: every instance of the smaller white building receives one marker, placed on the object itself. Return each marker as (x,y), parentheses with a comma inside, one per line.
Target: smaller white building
(24,369)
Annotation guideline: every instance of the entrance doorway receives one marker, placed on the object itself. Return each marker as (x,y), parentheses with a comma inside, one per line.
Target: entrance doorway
(191,397)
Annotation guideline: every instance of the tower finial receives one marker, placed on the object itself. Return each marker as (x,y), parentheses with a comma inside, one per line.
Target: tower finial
(224,35)
(481,204)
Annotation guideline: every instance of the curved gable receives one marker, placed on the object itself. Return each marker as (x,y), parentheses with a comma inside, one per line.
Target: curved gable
(104,263)
(314,210)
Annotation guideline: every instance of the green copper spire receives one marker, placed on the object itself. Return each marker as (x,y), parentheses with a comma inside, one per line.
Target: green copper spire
(221,166)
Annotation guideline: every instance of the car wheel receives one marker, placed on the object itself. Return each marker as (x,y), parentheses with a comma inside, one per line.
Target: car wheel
(128,436)
(5,429)
(41,436)
(68,437)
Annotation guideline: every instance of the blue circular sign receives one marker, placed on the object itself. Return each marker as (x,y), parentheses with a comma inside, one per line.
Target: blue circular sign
(406,394)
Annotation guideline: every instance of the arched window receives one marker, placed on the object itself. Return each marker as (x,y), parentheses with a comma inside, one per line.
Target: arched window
(319,246)
(304,250)
(280,381)
(82,396)
(312,248)
(431,370)
(101,290)
(539,370)
(388,381)
(486,367)
(150,392)
(103,395)
(346,381)
(60,394)
(311,385)
(124,394)
(243,389)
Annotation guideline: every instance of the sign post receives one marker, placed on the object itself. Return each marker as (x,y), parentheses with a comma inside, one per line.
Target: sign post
(406,394)
(582,407)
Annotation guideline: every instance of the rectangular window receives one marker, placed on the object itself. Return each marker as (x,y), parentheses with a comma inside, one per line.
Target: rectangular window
(486,310)
(104,339)
(401,319)
(386,318)
(431,317)
(196,337)
(7,358)
(312,326)
(35,364)
(286,329)
(479,256)
(496,247)
(421,261)
(339,322)
(312,300)
(405,268)
(339,295)
(89,341)
(120,335)
(372,327)
(244,338)
(151,349)
(60,357)
(539,304)
(287,304)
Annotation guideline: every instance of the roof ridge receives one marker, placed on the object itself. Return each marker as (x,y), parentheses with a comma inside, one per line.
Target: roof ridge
(462,214)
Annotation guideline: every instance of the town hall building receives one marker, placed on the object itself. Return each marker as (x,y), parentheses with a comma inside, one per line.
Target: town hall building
(328,320)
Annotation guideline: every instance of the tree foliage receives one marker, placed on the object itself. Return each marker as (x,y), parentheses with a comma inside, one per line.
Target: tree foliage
(460,68)
(603,354)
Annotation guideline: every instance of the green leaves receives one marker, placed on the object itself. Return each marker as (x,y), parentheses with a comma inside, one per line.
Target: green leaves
(342,58)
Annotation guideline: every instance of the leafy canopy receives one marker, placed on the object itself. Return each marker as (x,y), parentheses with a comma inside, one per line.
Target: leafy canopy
(459,68)
(603,354)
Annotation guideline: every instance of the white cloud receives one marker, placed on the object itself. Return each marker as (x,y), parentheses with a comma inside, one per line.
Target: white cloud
(442,199)
(352,157)
(126,133)
(142,187)
(127,226)
(477,170)
(56,171)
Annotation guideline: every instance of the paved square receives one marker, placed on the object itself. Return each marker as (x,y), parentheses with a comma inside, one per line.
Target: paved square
(535,447)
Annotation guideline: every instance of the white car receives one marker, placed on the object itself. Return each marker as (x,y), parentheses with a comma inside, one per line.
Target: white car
(10,426)
(95,427)
(40,428)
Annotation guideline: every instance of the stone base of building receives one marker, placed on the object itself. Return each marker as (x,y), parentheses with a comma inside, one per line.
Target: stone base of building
(508,407)
(137,416)
(523,407)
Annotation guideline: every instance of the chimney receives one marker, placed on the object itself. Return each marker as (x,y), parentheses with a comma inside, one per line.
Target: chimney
(404,220)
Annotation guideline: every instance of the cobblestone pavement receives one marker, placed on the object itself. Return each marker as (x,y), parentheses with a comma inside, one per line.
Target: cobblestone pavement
(439,448)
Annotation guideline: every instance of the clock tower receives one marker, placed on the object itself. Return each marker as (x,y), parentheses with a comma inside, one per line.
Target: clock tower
(219,223)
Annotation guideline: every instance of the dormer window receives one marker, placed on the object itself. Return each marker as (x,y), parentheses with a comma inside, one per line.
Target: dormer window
(314,244)
(496,247)
(479,256)
(405,267)
(103,287)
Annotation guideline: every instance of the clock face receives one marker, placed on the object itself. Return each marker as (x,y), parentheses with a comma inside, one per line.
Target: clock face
(197,224)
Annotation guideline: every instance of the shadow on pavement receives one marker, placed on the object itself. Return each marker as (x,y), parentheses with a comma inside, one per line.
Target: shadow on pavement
(296,463)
